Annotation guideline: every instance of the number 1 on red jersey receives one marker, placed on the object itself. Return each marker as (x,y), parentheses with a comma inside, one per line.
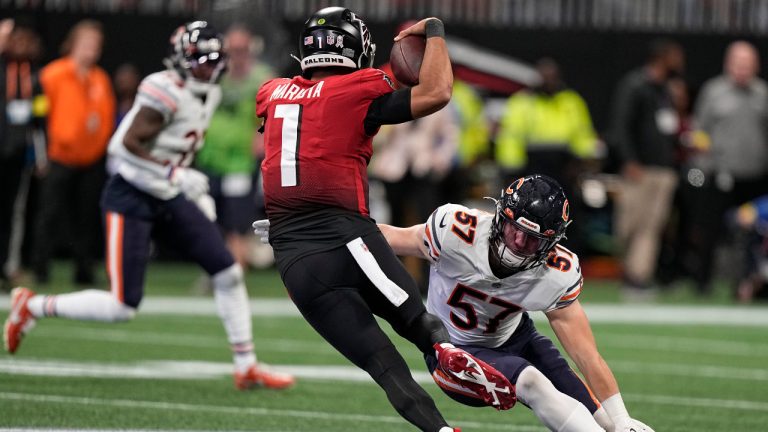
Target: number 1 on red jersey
(291,115)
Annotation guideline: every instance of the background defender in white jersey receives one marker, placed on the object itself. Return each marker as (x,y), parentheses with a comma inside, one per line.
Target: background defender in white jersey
(153,190)
(488,271)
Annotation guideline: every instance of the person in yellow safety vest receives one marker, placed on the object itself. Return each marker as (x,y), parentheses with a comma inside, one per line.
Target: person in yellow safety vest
(474,133)
(547,130)
(543,130)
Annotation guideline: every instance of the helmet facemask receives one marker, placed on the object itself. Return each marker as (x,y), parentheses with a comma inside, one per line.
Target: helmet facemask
(517,247)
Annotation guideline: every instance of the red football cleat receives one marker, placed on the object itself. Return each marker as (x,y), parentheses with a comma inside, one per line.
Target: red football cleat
(257,376)
(20,320)
(478,376)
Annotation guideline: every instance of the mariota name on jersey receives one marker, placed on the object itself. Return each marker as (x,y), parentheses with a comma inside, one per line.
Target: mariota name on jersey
(292,91)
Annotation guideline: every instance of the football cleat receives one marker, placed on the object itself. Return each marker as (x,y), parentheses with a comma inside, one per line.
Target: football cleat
(20,320)
(259,376)
(480,377)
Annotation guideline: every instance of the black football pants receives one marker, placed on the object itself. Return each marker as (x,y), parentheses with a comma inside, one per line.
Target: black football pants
(336,297)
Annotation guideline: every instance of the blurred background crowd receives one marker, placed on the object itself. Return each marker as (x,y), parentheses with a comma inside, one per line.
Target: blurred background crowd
(652,115)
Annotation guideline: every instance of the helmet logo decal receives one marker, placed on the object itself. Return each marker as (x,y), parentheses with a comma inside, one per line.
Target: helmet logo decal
(528,224)
(515,186)
(566,211)
(321,21)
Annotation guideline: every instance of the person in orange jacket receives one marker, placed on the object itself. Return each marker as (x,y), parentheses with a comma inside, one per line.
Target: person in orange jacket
(80,121)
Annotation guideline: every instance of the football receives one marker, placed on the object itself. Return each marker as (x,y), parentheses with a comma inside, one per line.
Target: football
(405,59)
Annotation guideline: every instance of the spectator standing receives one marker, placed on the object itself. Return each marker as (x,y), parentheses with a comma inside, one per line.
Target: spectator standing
(547,130)
(22,126)
(644,135)
(731,133)
(80,120)
(230,156)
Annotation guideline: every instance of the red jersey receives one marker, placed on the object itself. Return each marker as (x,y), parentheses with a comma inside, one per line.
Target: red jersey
(316,146)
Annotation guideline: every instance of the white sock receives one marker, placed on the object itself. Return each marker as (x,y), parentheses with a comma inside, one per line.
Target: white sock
(89,305)
(558,411)
(235,313)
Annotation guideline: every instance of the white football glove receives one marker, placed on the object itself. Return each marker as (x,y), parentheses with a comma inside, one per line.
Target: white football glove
(261,229)
(207,205)
(191,182)
(632,425)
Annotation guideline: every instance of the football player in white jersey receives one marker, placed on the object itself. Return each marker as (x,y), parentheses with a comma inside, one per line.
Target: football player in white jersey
(488,271)
(153,190)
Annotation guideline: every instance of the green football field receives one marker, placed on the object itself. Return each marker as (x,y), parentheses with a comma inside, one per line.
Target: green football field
(692,368)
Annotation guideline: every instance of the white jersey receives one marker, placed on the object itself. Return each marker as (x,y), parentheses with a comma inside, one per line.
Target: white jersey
(477,307)
(187,116)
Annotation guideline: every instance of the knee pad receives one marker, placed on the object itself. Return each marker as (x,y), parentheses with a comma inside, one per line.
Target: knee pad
(228,278)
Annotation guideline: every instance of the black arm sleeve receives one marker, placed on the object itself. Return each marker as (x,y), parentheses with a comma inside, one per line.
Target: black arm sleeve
(391,108)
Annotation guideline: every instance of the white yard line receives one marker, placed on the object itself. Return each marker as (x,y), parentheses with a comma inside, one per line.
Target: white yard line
(200,370)
(598,313)
(718,404)
(267,412)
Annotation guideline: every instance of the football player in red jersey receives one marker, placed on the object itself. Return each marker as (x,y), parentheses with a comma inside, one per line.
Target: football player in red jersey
(334,261)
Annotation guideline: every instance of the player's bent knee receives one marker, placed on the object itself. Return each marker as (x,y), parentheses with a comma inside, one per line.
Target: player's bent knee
(531,382)
(228,278)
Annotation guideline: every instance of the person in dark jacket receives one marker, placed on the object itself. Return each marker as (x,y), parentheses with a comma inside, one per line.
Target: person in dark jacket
(22,126)
(644,136)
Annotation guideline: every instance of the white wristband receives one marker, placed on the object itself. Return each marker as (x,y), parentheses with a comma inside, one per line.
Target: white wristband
(614,407)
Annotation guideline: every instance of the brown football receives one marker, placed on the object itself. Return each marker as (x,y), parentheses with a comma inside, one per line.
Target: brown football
(405,59)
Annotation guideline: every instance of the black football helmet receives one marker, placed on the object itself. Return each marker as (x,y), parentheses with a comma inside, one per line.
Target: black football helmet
(196,52)
(335,36)
(532,215)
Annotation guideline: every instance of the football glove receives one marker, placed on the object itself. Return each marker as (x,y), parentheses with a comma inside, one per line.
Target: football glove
(261,229)
(191,182)
(207,205)
(632,425)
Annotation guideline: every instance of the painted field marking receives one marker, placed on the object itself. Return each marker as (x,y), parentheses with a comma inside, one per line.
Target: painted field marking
(650,314)
(251,411)
(201,370)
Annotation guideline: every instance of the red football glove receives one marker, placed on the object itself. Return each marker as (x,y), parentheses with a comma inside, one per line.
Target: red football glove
(491,385)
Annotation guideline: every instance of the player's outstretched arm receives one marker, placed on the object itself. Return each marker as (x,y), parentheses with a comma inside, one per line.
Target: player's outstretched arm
(572,329)
(405,241)
(435,86)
